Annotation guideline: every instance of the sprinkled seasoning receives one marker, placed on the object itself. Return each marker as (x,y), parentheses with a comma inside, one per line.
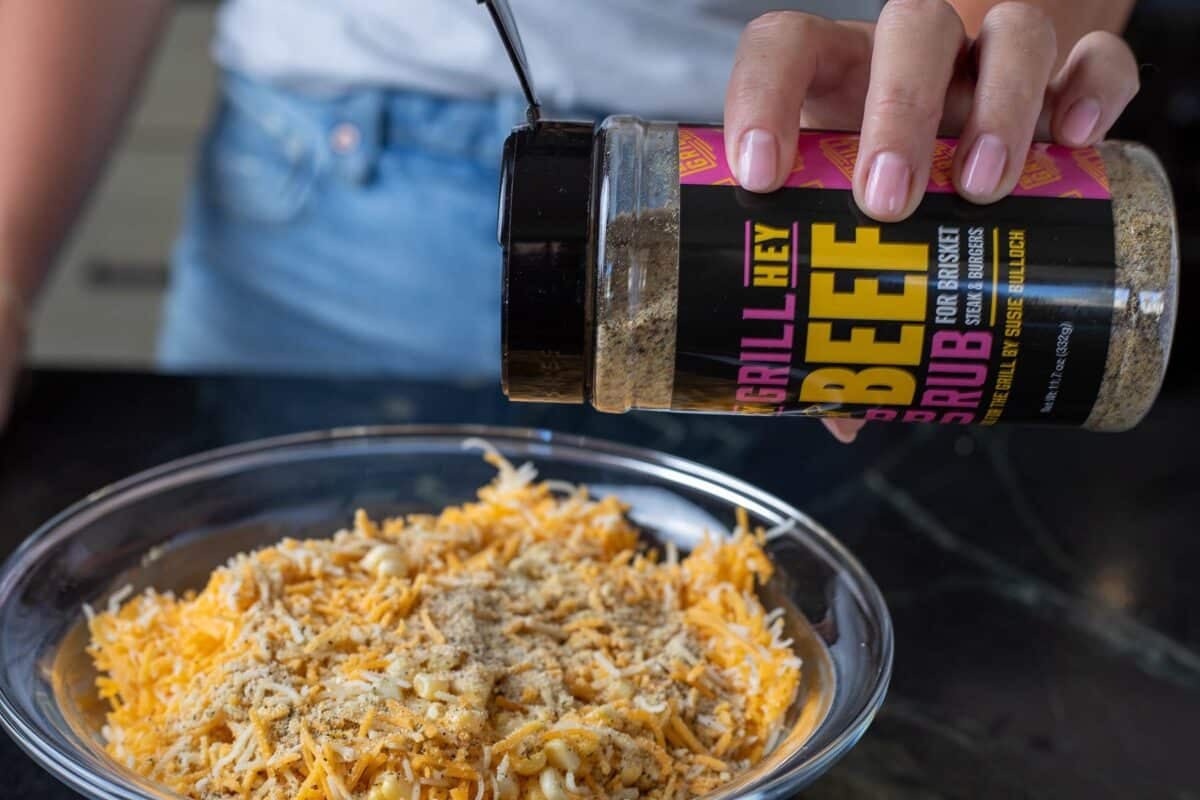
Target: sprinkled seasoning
(1054,306)
(512,647)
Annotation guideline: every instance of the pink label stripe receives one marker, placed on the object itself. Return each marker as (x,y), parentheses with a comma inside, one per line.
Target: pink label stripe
(826,161)
(795,247)
(746,268)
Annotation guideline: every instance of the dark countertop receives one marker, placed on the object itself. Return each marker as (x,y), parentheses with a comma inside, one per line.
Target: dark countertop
(1042,582)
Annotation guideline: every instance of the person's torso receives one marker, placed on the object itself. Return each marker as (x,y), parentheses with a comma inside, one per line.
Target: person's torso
(667,57)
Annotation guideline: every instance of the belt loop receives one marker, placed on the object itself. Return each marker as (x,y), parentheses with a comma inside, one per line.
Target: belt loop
(355,135)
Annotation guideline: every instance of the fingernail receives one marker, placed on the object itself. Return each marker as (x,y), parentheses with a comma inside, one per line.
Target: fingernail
(888,185)
(985,166)
(1080,122)
(757,159)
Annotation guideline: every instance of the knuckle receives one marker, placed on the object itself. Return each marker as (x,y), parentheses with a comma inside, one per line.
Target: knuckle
(773,49)
(755,91)
(1122,57)
(1105,57)
(909,103)
(939,11)
(775,25)
(1018,13)
(1007,97)
(1105,41)
(1030,23)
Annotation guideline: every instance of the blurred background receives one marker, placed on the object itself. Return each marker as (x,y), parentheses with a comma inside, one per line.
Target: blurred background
(102,304)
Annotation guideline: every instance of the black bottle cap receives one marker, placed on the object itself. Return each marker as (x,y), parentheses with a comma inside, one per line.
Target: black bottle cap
(544,228)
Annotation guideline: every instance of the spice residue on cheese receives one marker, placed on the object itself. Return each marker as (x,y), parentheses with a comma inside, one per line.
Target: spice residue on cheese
(524,645)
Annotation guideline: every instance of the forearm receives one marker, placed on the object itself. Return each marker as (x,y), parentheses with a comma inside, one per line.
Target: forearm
(69,70)
(1072,18)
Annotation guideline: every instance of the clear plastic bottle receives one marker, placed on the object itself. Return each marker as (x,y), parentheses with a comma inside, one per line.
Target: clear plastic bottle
(638,276)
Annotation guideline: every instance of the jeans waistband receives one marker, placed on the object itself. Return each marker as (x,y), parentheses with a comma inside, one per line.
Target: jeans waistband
(350,130)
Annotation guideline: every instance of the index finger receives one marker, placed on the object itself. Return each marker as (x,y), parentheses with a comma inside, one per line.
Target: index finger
(778,58)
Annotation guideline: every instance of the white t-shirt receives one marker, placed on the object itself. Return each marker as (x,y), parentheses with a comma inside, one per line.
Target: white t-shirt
(657,57)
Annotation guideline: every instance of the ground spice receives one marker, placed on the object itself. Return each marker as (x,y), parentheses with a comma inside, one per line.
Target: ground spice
(1054,355)
(635,317)
(1147,286)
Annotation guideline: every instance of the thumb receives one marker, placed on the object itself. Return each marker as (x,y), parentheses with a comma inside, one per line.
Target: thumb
(844,429)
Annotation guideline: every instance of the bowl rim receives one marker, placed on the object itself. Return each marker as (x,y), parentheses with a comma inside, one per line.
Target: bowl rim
(63,762)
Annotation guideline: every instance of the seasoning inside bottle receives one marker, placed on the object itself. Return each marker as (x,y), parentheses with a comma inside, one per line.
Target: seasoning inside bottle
(638,275)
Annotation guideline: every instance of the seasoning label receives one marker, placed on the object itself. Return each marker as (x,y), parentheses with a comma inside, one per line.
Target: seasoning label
(796,303)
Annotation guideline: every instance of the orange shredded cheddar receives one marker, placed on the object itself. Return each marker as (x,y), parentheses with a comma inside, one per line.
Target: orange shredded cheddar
(382,663)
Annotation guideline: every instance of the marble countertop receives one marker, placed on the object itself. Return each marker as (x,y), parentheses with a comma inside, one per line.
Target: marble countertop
(1042,583)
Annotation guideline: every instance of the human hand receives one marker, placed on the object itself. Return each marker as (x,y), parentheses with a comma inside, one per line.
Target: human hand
(12,344)
(908,78)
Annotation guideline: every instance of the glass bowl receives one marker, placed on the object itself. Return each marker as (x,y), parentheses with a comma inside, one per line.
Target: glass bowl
(169,526)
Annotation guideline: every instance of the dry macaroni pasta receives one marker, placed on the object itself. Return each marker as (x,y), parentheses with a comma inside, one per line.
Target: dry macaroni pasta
(521,646)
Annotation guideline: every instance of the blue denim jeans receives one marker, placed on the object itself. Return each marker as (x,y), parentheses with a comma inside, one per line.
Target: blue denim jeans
(350,235)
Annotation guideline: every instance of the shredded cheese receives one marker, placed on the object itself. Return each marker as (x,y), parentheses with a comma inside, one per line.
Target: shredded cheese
(517,646)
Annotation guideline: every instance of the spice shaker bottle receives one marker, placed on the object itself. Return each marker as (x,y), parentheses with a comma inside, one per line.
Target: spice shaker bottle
(638,275)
